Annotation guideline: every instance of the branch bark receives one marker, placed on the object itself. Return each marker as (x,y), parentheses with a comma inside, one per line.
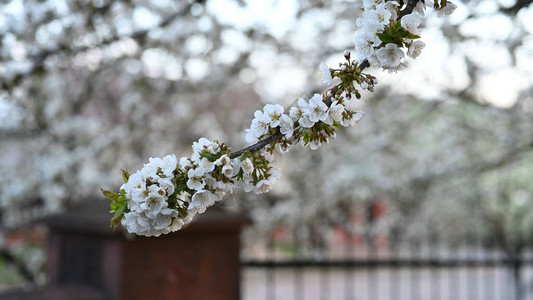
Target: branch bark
(411,4)
(257,146)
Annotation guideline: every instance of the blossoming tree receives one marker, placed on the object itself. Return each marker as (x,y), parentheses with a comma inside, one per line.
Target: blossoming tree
(101,86)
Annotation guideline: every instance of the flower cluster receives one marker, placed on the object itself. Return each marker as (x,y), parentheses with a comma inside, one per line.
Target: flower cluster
(147,192)
(257,174)
(267,121)
(381,36)
(316,122)
(313,122)
(166,193)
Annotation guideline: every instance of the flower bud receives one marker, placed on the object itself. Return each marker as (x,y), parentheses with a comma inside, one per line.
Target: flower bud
(349,89)
(343,68)
(347,55)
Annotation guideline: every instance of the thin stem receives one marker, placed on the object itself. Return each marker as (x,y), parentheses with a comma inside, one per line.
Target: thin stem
(257,146)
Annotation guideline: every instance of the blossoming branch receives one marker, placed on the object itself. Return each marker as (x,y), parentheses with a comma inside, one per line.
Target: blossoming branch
(167,193)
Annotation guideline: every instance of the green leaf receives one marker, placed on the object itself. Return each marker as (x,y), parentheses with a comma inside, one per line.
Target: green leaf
(119,208)
(115,222)
(115,206)
(125,175)
(385,38)
(120,212)
(110,195)
(210,156)
(398,25)
(406,34)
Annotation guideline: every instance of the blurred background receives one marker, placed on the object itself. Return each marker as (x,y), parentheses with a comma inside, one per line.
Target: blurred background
(429,197)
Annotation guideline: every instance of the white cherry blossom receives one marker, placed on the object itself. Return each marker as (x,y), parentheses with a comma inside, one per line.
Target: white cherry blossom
(336,111)
(167,185)
(185,162)
(380,16)
(169,164)
(136,185)
(201,200)
(316,109)
(176,225)
(260,123)
(390,55)
(150,170)
(136,223)
(213,148)
(263,186)
(274,112)
(206,166)
(295,112)
(392,6)
(415,49)
(325,74)
(305,121)
(363,48)
(227,170)
(447,10)
(153,205)
(163,219)
(274,176)
(371,3)
(196,179)
(223,160)
(356,117)
(247,166)
(411,23)
(286,126)
(198,147)
(250,137)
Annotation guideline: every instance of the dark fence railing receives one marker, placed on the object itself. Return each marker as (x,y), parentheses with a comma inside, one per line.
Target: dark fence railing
(386,263)
(423,270)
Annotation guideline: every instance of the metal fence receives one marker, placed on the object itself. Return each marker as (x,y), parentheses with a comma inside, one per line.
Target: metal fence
(352,267)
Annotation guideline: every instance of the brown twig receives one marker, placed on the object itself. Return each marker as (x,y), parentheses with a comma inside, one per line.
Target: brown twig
(257,146)
(411,4)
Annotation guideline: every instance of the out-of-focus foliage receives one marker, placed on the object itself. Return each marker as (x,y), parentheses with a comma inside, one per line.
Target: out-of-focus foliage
(89,87)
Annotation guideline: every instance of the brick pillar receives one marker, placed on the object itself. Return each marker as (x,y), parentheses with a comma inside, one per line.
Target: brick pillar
(200,261)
